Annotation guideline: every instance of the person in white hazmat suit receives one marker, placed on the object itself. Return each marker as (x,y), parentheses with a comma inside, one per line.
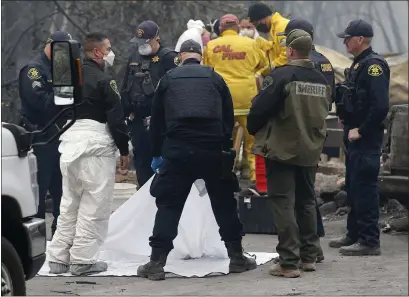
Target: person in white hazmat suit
(195,31)
(88,166)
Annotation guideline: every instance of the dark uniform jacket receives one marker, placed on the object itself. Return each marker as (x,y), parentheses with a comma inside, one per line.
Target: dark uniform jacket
(288,116)
(193,105)
(102,103)
(36,92)
(369,77)
(133,97)
(325,67)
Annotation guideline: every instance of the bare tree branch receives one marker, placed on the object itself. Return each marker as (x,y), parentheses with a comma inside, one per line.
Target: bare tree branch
(68,18)
(9,83)
(212,7)
(53,22)
(11,52)
(65,20)
(382,27)
(395,28)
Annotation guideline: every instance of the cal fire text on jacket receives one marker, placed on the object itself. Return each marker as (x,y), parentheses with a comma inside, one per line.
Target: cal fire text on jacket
(228,53)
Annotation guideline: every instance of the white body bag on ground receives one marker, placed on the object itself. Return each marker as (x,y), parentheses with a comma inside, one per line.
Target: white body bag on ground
(198,250)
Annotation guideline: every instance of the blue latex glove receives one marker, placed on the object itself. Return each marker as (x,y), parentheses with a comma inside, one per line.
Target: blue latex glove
(156,163)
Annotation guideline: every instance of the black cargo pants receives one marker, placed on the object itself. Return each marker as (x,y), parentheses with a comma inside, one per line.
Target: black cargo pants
(291,189)
(181,166)
(142,156)
(49,179)
(320,223)
(362,162)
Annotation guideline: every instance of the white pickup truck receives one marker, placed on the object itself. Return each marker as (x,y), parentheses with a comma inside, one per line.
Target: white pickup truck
(23,237)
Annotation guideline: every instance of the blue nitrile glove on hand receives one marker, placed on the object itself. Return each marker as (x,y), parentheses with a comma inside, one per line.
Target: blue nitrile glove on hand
(156,163)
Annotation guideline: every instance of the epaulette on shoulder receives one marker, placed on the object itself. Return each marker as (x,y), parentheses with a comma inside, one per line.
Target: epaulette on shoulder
(170,70)
(278,68)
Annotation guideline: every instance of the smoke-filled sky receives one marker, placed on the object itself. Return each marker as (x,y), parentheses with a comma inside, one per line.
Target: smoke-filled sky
(390,21)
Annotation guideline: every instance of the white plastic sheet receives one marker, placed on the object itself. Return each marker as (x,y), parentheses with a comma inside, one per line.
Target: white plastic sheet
(198,250)
(194,31)
(132,224)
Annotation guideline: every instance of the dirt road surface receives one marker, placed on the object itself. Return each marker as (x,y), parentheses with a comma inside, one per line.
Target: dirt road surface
(336,276)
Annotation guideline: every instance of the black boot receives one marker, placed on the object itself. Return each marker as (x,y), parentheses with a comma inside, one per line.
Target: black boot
(341,241)
(153,270)
(360,249)
(238,261)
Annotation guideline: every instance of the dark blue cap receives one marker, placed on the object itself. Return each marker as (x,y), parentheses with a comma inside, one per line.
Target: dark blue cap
(298,24)
(357,28)
(190,46)
(59,36)
(145,32)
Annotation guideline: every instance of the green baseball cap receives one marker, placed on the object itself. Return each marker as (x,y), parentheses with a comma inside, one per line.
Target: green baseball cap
(297,39)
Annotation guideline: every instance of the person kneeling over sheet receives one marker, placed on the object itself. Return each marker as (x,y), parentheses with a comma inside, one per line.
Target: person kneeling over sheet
(88,166)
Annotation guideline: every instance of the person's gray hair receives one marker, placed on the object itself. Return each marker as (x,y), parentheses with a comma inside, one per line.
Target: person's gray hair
(368,40)
(188,55)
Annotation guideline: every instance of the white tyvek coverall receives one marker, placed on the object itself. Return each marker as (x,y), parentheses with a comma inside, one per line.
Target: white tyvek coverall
(194,31)
(88,169)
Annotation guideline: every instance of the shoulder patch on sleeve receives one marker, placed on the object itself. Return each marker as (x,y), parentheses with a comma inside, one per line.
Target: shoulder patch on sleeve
(176,61)
(375,70)
(33,73)
(114,87)
(35,84)
(268,81)
(326,67)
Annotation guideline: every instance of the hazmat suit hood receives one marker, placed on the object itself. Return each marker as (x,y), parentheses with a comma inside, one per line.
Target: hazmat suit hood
(194,31)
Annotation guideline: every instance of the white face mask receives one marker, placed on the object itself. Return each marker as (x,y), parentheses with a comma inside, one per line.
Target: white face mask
(247,32)
(109,59)
(145,49)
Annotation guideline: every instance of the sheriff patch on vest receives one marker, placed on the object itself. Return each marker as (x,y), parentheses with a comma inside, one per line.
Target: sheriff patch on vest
(308,89)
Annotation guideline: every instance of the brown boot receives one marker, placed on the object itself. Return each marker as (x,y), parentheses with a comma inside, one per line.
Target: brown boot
(308,267)
(277,270)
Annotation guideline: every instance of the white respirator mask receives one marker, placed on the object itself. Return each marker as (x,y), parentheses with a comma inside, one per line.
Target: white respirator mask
(247,32)
(145,49)
(109,59)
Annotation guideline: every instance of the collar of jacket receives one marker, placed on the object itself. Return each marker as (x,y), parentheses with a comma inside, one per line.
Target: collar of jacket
(229,32)
(275,19)
(45,59)
(157,53)
(363,54)
(306,63)
(93,64)
(191,61)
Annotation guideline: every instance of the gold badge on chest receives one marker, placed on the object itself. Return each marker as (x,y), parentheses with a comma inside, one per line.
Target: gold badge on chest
(155,59)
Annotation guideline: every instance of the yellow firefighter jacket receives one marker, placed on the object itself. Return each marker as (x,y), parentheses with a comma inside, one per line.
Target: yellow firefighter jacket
(237,60)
